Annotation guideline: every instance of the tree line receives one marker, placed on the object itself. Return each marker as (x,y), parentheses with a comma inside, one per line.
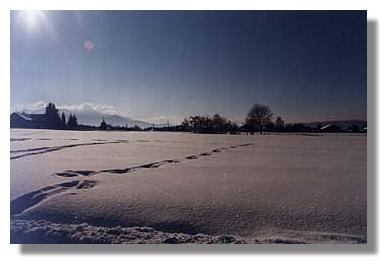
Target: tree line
(205,124)
(257,121)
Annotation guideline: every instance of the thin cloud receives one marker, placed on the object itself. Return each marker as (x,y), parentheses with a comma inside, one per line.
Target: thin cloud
(30,107)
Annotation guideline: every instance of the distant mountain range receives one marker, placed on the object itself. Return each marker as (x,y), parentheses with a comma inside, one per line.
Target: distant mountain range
(94,118)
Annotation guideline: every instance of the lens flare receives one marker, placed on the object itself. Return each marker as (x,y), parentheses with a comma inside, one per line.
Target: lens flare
(88,45)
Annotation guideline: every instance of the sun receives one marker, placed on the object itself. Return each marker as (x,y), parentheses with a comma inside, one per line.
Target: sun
(32,19)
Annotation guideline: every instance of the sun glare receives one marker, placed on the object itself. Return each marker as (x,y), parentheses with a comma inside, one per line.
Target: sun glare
(32,19)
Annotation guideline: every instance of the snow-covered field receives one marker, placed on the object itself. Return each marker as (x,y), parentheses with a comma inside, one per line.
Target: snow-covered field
(151,187)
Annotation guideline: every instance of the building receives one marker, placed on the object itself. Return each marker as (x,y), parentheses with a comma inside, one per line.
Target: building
(103,125)
(24,120)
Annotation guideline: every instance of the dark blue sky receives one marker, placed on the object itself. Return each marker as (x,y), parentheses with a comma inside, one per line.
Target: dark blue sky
(162,66)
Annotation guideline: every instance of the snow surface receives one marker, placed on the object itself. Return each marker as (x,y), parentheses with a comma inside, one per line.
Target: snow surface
(107,187)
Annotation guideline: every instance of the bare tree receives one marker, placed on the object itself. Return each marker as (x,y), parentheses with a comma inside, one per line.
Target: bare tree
(258,117)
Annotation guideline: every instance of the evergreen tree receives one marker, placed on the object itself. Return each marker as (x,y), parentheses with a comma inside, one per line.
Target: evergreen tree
(52,118)
(279,124)
(69,122)
(72,122)
(75,121)
(63,121)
